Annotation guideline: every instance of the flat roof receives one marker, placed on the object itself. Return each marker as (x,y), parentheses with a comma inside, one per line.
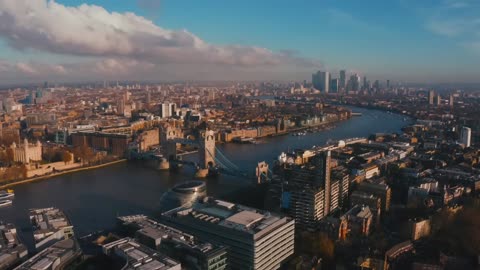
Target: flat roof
(245,218)
(226,214)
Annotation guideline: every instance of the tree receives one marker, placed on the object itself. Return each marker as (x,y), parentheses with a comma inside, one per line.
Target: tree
(48,154)
(85,153)
(24,170)
(66,157)
(317,244)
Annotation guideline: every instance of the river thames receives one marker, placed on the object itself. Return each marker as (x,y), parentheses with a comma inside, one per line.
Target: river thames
(92,199)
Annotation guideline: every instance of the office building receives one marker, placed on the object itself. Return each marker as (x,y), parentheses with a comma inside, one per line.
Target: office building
(341,175)
(255,239)
(167,110)
(321,81)
(380,190)
(431,96)
(359,220)
(370,200)
(183,247)
(113,143)
(353,84)
(59,256)
(307,190)
(133,255)
(356,222)
(50,225)
(149,96)
(342,81)
(12,252)
(466,136)
(334,84)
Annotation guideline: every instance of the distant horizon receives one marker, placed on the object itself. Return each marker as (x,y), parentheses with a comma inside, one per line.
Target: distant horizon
(82,40)
(51,84)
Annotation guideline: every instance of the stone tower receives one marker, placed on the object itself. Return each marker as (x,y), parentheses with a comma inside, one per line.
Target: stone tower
(207,148)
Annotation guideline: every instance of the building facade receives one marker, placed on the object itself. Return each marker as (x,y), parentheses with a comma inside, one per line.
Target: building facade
(27,152)
(466,136)
(255,239)
(307,195)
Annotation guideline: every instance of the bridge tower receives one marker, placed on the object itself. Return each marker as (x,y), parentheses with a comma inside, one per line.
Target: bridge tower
(262,172)
(167,135)
(206,150)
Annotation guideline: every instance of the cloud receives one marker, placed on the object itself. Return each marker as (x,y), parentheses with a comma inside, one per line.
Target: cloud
(92,31)
(458,20)
(29,69)
(26,68)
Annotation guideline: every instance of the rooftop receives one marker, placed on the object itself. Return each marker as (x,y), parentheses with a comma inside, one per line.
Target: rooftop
(156,230)
(138,256)
(227,214)
(11,250)
(60,253)
(47,221)
(359,211)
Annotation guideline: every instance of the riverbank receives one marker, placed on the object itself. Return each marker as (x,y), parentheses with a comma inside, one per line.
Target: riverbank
(44,177)
(373,107)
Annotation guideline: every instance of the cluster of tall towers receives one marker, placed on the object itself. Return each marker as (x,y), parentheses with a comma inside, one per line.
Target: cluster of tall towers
(323,81)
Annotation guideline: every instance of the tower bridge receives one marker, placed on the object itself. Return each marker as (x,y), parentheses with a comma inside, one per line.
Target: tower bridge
(210,158)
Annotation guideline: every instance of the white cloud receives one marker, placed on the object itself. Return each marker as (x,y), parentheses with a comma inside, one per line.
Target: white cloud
(89,30)
(26,68)
(458,20)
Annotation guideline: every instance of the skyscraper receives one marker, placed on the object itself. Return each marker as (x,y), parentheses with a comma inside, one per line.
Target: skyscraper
(334,86)
(342,81)
(321,81)
(354,83)
(431,96)
(168,109)
(466,136)
(307,190)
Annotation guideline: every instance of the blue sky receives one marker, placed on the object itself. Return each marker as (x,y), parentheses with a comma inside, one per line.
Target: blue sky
(405,40)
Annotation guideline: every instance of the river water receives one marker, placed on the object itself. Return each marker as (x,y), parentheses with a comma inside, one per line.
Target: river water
(92,199)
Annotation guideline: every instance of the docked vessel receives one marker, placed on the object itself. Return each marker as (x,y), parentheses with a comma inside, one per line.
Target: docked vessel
(5,203)
(8,194)
(300,133)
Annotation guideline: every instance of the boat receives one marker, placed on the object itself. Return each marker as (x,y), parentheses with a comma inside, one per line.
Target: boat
(5,203)
(300,133)
(8,194)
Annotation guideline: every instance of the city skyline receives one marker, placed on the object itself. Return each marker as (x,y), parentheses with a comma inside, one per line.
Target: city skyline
(85,40)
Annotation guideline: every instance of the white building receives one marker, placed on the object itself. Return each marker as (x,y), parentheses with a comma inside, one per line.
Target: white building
(256,239)
(50,225)
(168,109)
(466,136)
(27,152)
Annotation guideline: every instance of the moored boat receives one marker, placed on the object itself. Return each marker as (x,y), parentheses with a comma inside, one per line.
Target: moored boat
(5,203)
(8,194)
